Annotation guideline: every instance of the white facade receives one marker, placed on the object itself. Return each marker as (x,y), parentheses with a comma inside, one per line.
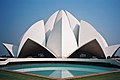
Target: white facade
(36,32)
(62,35)
(9,47)
(74,24)
(50,24)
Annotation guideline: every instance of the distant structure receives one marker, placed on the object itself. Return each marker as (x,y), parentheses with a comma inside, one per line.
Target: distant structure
(62,36)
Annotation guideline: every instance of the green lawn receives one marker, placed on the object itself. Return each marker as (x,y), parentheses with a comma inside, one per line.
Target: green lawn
(4,75)
(110,76)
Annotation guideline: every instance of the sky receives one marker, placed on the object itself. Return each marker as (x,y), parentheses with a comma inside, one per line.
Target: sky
(16,16)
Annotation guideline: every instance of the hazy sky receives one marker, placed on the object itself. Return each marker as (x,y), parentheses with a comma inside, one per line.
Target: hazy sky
(16,16)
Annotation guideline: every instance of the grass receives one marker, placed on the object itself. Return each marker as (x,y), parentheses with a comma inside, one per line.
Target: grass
(5,75)
(109,76)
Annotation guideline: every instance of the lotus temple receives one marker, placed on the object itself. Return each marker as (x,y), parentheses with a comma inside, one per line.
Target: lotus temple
(74,45)
(62,36)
